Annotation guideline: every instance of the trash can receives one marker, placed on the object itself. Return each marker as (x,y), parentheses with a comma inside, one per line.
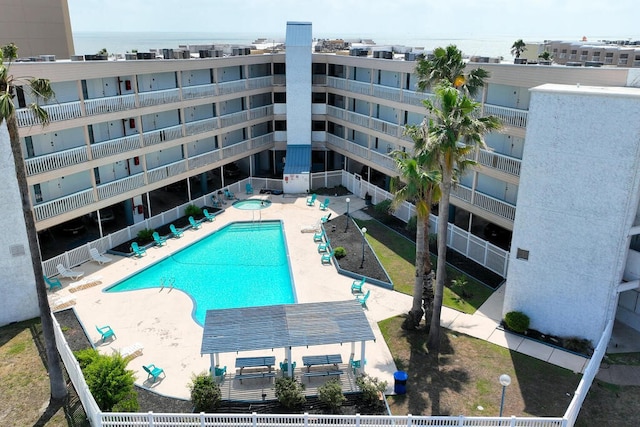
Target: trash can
(400,382)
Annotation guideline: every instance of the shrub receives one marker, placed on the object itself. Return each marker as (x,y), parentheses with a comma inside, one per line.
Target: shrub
(192,210)
(384,207)
(205,393)
(290,393)
(86,357)
(371,388)
(412,225)
(339,252)
(517,321)
(330,393)
(145,236)
(577,344)
(109,381)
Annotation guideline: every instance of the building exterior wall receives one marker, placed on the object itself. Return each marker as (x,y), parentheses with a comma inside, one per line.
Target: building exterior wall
(578,198)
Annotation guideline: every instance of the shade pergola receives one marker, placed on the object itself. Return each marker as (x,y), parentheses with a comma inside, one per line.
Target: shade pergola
(284,326)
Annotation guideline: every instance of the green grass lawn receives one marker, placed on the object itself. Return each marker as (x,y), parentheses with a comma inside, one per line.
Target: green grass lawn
(398,256)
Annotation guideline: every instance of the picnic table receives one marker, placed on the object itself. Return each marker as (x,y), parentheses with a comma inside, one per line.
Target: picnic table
(255,362)
(325,359)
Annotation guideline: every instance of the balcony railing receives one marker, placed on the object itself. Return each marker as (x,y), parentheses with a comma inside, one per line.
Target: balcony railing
(159,97)
(166,171)
(385,127)
(199,91)
(233,119)
(383,160)
(259,112)
(386,92)
(336,112)
(201,126)
(232,87)
(237,148)
(204,159)
(260,82)
(461,192)
(509,116)
(416,98)
(57,160)
(262,141)
(115,146)
(359,87)
(56,112)
(357,119)
(119,186)
(109,104)
(336,83)
(500,162)
(162,135)
(495,206)
(63,204)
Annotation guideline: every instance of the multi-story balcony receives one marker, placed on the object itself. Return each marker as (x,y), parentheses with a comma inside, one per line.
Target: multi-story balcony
(490,204)
(499,162)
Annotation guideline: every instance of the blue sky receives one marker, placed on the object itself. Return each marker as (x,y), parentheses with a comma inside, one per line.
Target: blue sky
(533,19)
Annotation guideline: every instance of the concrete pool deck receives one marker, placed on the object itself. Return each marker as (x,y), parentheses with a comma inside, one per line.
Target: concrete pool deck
(161,319)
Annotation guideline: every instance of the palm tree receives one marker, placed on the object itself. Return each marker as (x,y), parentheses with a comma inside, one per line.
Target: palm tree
(40,89)
(546,56)
(447,64)
(418,182)
(455,130)
(517,48)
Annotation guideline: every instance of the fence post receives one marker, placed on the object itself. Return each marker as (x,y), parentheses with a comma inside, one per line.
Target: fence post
(150,418)
(254,417)
(305,418)
(202,419)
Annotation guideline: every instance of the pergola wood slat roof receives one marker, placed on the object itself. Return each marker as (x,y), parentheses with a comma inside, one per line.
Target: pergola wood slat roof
(285,325)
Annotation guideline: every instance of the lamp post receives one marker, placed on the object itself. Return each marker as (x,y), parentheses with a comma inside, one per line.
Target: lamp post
(505,380)
(347,227)
(364,231)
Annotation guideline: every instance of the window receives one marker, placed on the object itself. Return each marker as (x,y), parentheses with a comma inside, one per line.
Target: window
(279,97)
(280,125)
(318,125)
(522,254)
(319,98)
(279,68)
(624,59)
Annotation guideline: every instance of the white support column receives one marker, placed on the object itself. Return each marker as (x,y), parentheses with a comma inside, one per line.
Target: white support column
(362,356)
(212,361)
(287,355)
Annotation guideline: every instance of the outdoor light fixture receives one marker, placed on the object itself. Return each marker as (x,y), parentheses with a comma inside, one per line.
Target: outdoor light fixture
(364,231)
(505,380)
(347,227)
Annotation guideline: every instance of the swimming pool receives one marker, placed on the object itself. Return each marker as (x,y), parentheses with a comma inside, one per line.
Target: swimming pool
(243,264)
(252,204)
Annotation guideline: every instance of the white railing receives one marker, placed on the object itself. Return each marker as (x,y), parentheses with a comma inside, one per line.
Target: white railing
(416,98)
(201,160)
(237,148)
(232,87)
(461,192)
(63,204)
(258,112)
(201,126)
(119,186)
(262,140)
(336,112)
(385,127)
(260,82)
(359,87)
(166,171)
(159,97)
(109,104)
(357,119)
(200,91)
(383,160)
(500,162)
(508,116)
(56,112)
(162,135)
(233,119)
(386,92)
(336,83)
(495,206)
(57,160)
(115,146)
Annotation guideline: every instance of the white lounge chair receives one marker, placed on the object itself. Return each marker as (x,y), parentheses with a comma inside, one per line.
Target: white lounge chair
(60,303)
(70,274)
(100,259)
(131,351)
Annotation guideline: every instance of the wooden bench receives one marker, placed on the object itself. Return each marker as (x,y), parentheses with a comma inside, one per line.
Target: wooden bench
(255,375)
(321,373)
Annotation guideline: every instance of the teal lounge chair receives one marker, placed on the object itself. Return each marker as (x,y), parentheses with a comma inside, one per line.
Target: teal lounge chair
(248,188)
(356,286)
(215,201)
(160,241)
(176,233)
(319,236)
(208,216)
(52,283)
(311,200)
(326,258)
(194,224)
(323,247)
(363,299)
(153,372)
(324,205)
(228,194)
(105,332)
(137,250)
(325,218)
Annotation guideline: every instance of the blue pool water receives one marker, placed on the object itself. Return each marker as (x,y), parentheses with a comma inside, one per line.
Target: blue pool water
(252,204)
(243,264)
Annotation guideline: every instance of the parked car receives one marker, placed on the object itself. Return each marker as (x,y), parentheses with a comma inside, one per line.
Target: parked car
(106,216)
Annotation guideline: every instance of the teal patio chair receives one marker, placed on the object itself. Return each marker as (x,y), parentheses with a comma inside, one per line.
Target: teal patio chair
(324,205)
(52,283)
(284,368)
(323,247)
(219,374)
(228,194)
(356,286)
(137,250)
(248,188)
(311,200)
(356,365)
(105,332)
(175,232)
(153,372)
(319,236)
(160,241)
(194,224)
(363,299)
(215,201)
(325,218)
(326,258)
(208,216)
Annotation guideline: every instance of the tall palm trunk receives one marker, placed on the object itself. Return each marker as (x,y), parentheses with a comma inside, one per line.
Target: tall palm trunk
(58,385)
(423,266)
(433,342)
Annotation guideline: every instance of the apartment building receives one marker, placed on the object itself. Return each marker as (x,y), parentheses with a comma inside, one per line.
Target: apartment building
(122,132)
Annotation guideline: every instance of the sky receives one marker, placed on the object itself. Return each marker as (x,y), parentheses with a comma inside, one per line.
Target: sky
(526,19)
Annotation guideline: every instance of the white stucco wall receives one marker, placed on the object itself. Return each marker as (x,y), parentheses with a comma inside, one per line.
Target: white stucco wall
(298,63)
(17,286)
(578,196)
